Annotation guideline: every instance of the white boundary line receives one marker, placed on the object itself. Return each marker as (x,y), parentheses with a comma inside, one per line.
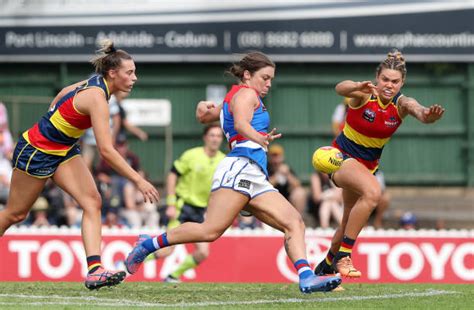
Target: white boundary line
(96,301)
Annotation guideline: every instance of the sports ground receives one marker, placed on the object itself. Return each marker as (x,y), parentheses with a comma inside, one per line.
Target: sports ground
(153,295)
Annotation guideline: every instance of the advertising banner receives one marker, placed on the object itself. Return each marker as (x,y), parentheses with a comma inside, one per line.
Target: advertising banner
(238,257)
(296,32)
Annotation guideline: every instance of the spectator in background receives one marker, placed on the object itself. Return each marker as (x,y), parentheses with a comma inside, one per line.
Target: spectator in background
(408,221)
(138,212)
(112,184)
(6,148)
(284,179)
(339,117)
(39,213)
(125,125)
(63,209)
(5,177)
(6,140)
(338,121)
(112,219)
(245,220)
(326,199)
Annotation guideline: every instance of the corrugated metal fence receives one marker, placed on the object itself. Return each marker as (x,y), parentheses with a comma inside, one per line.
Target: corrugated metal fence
(301,104)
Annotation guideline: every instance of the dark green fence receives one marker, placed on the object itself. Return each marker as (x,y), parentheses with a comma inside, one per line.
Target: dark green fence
(301,104)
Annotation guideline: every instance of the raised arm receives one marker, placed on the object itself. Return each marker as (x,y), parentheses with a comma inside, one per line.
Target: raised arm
(358,92)
(207,112)
(426,115)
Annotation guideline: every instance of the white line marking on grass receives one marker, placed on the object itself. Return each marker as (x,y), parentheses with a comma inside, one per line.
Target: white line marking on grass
(97,301)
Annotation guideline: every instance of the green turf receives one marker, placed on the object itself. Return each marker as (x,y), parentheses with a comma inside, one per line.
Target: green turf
(150,295)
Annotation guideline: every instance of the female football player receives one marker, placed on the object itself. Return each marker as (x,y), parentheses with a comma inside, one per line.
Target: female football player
(375,111)
(241,178)
(49,150)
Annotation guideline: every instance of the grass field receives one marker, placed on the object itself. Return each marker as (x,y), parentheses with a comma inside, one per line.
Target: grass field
(48,295)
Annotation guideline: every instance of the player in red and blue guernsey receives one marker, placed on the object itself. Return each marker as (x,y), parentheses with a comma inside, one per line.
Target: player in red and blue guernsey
(375,112)
(49,150)
(241,178)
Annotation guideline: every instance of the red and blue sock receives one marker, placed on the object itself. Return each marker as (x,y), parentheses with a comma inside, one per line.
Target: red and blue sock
(156,243)
(93,263)
(304,271)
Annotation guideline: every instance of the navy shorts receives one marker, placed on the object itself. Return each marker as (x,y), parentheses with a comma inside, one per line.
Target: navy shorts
(29,159)
(191,214)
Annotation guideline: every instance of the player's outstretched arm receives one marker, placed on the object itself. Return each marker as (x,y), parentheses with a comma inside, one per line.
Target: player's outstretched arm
(95,104)
(426,115)
(357,91)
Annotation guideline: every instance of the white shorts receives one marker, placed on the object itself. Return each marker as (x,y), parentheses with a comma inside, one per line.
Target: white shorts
(242,175)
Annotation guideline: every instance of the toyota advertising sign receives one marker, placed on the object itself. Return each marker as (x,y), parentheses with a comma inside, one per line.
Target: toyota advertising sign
(254,257)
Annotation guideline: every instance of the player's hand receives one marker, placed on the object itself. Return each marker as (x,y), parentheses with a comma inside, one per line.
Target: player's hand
(171,212)
(269,137)
(150,194)
(207,111)
(206,104)
(433,113)
(143,136)
(367,87)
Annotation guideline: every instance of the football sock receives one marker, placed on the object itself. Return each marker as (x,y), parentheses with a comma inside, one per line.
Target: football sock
(93,263)
(346,247)
(304,271)
(156,243)
(328,260)
(325,266)
(188,263)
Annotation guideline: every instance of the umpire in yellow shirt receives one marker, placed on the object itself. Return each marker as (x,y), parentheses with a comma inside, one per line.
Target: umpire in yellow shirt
(188,187)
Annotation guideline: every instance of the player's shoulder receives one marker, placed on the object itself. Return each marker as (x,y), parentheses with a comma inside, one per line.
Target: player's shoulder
(246,94)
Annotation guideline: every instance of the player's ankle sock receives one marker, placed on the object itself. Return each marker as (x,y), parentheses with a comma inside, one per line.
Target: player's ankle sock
(346,247)
(328,259)
(156,243)
(302,266)
(325,266)
(188,263)
(93,263)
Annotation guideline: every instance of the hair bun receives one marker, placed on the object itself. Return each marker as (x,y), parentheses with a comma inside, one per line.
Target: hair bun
(396,54)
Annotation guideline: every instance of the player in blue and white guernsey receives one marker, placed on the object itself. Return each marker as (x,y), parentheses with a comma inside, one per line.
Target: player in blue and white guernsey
(241,179)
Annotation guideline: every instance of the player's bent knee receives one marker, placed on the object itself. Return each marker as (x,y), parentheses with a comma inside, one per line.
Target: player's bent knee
(93,201)
(372,196)
(295,224)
